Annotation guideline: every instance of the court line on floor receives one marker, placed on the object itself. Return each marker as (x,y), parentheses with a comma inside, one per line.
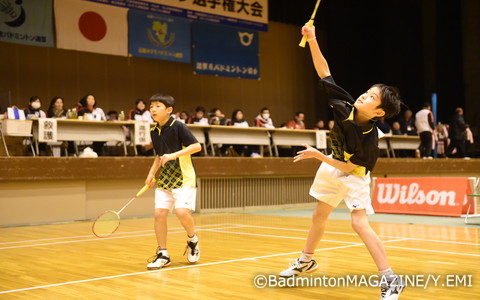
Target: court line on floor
(349,233)
(435,251)
(275,236)
(101,239)
(170,269)
(118,233)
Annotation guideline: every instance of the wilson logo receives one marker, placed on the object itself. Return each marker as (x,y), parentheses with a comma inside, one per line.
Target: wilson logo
(390,193)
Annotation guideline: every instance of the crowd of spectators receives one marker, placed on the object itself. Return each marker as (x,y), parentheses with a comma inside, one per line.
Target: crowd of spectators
(449,139)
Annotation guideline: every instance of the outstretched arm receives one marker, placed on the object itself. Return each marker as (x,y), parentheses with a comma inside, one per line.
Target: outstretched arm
(320,63)
(311,152)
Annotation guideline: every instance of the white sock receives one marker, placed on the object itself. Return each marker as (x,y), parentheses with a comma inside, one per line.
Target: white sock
(386,272)
(164,252)
(193,239)
(306,257)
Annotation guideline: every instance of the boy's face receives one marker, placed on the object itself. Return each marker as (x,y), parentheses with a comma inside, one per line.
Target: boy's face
(368,103)
(159,111)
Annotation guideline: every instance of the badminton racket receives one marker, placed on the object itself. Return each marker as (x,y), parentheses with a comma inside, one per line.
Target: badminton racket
(310,24)
(107,222)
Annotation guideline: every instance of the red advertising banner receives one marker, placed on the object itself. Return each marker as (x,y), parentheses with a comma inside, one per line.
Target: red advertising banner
(437,196)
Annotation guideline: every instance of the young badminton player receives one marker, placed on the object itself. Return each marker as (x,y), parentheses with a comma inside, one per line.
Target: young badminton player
(345,174)
(176,185)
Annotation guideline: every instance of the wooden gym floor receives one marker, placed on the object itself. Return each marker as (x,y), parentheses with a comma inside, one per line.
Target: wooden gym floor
(64,261)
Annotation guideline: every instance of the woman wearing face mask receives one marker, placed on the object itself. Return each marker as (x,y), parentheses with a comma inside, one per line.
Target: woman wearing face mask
(263,119)
(33,110)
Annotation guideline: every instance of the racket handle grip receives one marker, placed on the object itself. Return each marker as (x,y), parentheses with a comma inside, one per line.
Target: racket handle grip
(303,42)
(146,187)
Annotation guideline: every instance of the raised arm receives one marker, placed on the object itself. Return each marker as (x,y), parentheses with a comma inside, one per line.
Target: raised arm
(320,63)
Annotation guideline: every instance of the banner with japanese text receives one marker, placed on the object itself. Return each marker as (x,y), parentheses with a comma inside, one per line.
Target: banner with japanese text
(225,51)
(28,22)
(158,36)
(250,14)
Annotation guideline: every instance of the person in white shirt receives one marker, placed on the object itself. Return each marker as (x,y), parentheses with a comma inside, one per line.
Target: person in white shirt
(91,112)
(33,110)
(425,126)
(140,113)
(89,109)
(199,117)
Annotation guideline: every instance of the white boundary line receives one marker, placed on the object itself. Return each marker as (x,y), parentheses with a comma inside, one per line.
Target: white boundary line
(348,233)
(117,233)
(275,236)
(103,239)
(226,261)
(435,251)
(169,269)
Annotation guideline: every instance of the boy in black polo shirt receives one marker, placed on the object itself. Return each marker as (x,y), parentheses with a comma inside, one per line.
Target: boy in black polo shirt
(176,187)
(345,175)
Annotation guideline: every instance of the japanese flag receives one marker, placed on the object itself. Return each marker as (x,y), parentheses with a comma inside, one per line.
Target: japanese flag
(91,27)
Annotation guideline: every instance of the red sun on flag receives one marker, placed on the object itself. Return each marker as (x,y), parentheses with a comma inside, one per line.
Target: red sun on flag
(92,26)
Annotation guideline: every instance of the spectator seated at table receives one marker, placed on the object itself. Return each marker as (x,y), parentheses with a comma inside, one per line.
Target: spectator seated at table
(91,112)
(112,115)
(140,112)
(320,125)
(183,117)
(57,110)
(297,122)
(33,111)
(396,128)
(217,117)
(199,117)
(263,119)
(238,120)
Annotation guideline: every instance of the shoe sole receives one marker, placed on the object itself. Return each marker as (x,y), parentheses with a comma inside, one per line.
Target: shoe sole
(193,262)
(308,271)
(158,268)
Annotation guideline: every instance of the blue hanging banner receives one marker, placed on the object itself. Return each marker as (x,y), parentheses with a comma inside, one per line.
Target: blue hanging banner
(28,22)
(249,14)
(225,51)
(158,36)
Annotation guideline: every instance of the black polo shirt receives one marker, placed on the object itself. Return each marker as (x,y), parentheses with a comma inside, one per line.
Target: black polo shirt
(170,138)
(350,140)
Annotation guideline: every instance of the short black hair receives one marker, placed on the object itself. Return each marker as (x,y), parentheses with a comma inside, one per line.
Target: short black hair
(139,100)
(299,112)
(264,108)
(33,99)
(167,100)
(390,100)
(200,108)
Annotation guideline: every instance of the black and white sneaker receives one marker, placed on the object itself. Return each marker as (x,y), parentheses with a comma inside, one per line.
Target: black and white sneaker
(299,267)
(393,288)
(193,252)
(158,261)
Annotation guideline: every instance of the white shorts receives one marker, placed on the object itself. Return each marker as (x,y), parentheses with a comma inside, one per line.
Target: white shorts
(184,197)
(332,186)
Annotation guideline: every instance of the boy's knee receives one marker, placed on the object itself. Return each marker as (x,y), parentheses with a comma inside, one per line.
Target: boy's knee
(182,212)
(161,214)
(360,225)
